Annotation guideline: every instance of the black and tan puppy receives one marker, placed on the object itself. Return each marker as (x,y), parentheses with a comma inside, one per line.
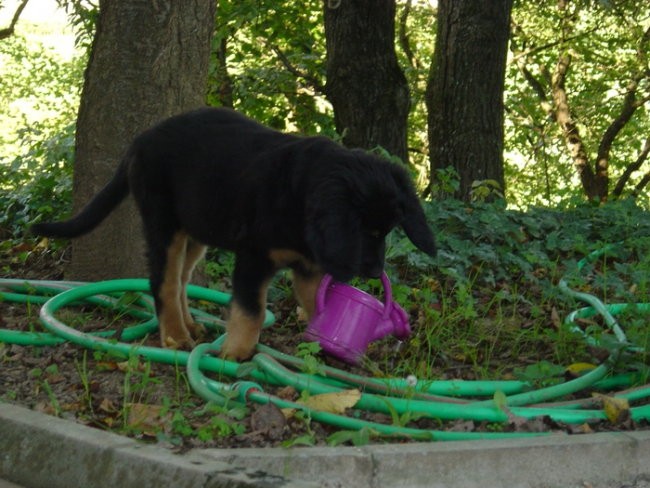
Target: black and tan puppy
(213,177)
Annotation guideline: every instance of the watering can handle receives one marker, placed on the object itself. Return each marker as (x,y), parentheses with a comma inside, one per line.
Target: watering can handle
(322,291)
(388,294)
(327,279)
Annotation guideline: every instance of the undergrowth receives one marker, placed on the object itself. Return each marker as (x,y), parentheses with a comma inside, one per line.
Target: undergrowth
(488,305)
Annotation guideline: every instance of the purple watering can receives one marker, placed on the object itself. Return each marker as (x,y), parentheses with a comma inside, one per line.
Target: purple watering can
(347,319)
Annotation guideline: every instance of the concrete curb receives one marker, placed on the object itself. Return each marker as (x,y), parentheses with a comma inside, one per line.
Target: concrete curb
(39,451)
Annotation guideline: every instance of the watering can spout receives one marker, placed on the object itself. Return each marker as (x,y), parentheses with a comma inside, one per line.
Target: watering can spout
(395,322)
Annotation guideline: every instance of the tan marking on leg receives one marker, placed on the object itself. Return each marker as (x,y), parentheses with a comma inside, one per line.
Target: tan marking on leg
(305,284)
(284,257)
(305,289)
(244,329)
(173,333)
(193,254)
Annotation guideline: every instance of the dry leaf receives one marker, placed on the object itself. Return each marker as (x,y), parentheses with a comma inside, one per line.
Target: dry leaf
(617,410)
(107,365)
(288,393)
(107,406)
(128,366)
(146,418)
(336,402)
(576,369)
(555,318)
(288,412)
(268,419)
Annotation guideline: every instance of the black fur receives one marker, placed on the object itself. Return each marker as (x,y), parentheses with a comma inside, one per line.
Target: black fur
(227,181)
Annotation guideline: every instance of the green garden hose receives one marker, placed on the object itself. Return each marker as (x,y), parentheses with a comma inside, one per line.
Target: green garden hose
(440,400)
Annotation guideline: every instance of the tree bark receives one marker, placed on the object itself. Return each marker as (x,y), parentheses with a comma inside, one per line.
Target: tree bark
(465,91)
(149,60)
(365,83)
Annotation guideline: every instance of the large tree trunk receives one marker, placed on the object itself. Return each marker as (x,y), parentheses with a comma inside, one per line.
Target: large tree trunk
(365,84)
(149,61)
(465,91)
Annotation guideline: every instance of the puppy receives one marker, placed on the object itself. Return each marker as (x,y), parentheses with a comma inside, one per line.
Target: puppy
(213,177)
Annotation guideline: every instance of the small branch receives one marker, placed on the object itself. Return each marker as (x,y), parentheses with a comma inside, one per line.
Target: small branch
(311,80)
(641,185)
(403,37)
(570,128)
(625,177)
(630,104)
(552,44)
(8,31)
(619,122)
(522,60)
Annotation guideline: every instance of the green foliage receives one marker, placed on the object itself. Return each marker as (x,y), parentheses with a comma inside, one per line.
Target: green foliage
(541,374)
(83,15)
(488,299)
(307,351)
(40,93)
(357,438)
(415,40)
(605,42)
(275,61)
(38,184)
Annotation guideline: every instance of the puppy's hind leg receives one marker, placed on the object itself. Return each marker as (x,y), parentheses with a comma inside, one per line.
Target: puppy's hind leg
(166,260)
(193,254)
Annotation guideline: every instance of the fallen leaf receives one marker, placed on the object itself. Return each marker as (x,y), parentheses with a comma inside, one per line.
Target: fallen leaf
(576,369)
(107,406)
(617,410)
(22,247)
(127,366)
(107,365)
(269,419)
(146,418)
(288,412)
(45,407)
(500,400)
(287,393)
(43,244)
(579,429)
(336,402)
(555,318)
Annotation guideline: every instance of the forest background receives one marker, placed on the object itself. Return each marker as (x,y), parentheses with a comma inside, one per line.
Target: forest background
(575,95)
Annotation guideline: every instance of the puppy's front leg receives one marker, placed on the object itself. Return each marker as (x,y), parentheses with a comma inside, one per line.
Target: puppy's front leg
(306,281)
(250,284)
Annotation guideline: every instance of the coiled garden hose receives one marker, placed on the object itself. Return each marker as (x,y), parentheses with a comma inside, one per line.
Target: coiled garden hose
(440,400)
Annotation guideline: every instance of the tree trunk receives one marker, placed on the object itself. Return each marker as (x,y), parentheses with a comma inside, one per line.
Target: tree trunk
(149,60)
(365,84)
(465,91)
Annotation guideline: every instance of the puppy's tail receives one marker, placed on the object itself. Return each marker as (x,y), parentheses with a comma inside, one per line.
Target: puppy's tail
(94,212)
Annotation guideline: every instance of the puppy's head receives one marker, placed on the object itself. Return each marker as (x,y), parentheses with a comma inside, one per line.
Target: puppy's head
(352,209)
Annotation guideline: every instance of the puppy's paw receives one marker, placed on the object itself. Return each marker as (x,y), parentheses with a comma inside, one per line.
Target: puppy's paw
(302,315)
(197,331)
(234,351)
(184,343)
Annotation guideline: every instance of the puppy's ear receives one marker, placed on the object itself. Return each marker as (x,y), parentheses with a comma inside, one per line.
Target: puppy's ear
(333,234)
(413,221)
